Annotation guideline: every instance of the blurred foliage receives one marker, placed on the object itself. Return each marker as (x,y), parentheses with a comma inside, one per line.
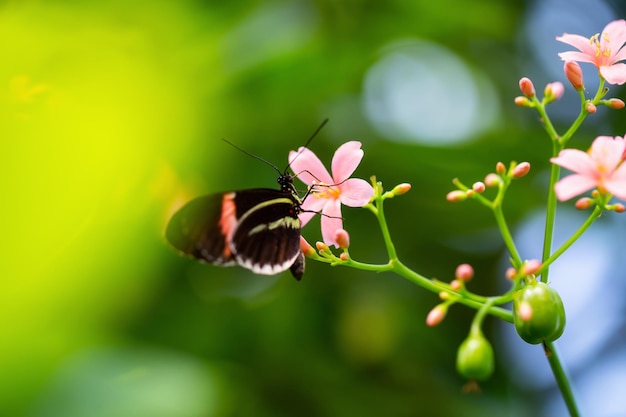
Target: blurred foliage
(111,113)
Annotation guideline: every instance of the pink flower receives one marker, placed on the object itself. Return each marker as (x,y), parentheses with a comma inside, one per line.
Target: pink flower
(330,192)
(601,167)
(603,50)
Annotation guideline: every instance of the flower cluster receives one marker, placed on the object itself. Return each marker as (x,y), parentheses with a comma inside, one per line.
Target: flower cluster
(604,50)
(601,168)
(328,192)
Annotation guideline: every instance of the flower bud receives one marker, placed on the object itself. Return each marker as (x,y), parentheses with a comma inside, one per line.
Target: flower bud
(591,108)
(492,180)
(344,256)
(553,91)
(436,315)
(475,359)
(500,168)
(306,248)
(511,273)
(479,187)
(456,284)
(530,267)
(538,313)
(574,75)
(525,311)
(523,101)
(615,103)
(464,272)
(342,238)
(619,208)
(527,87)
(401,188)
(521,170)
(322,247)
(584,203)
(456,196)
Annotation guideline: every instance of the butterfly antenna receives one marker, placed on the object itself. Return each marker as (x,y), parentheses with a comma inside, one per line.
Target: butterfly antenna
(253,155)
(308,141)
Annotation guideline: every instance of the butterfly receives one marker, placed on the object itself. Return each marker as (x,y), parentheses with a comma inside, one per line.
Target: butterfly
(257,229)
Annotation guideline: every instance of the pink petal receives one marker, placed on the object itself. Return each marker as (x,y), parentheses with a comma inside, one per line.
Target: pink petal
(573,185)
(614,74)
(620,55)
(616,33)
(616,185)
(577,56)
(606,152)
(579,42)
(576,161)
(347,157)
(308,167)
(331,222)
(310,207)
(355,192)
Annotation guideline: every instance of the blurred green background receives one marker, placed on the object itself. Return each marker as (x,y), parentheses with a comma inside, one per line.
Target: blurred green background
(112,113)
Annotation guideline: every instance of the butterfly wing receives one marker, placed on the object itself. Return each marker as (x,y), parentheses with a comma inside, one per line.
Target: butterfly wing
(258,229)
(267,237)
(201,227)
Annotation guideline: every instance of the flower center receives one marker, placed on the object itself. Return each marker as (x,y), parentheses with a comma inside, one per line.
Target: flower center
(326,191)
(602,51)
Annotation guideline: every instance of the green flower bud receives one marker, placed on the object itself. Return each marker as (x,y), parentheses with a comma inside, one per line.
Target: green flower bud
(538,313)
(474,359)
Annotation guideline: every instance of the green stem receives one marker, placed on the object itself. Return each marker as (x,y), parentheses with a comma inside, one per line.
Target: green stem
(550,211)
(561,378)
(506,235)
(597,212)
(400,269)
(391,249)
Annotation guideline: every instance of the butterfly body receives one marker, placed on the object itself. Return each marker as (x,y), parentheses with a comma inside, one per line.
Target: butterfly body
(258,229)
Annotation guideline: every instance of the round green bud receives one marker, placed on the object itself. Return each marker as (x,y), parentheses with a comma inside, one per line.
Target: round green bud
(475,359)
(538,313)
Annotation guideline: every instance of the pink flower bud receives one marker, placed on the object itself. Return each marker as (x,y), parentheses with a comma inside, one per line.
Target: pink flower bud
(401,188)
(342,238)
(527,87)
(615,103)
(322,247)
(525,311)
(523,101)
(464,272)
(478,187)
(591,108)
(436,315)
(456,196)
(500,168)
(511,273)
(306,248)
(554,91)
(574,74)
(584,203)
(344,256)
(531,267)
(456,284)
(617,207)
(521,169)
(469,193)
(492,180)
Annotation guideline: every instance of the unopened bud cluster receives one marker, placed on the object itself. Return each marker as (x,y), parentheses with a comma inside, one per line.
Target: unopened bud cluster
(463,274)
(553,91)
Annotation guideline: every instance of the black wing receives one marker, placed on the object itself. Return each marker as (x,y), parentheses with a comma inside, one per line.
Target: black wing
(267,238)
(197,229)
(258,228)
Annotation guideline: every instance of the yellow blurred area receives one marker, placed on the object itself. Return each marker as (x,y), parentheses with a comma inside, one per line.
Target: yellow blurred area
(94,105)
